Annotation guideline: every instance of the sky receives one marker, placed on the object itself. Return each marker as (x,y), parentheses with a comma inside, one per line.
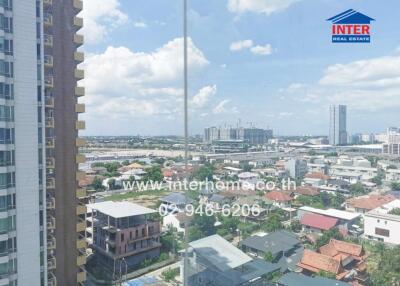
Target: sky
(264,63)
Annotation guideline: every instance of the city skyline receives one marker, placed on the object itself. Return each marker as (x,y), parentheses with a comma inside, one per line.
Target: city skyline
(236,71)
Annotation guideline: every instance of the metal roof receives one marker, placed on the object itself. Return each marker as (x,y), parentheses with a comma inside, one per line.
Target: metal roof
(120,209)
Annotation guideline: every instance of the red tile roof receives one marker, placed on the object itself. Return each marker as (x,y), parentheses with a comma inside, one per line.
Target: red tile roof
(316,262)
(317,175)
(306,191)
(318,221)
(87,181)
(370,202)
(278,196)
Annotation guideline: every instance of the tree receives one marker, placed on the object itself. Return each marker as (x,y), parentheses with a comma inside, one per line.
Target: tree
(327,236)
(245,167)
(111,184)
(98,184)
(395,186)
(357,189)
(125,163)
(268,256)
(273,223)
(204,173)
(377,180)
(395,211)
(154,174)
(295,226)
(327,274)
(387,269)
(170,274)
(195,233)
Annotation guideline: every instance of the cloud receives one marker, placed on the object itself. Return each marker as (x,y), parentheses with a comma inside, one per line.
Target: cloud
(140,25)
(221,107)
(266,7)
(101,19)
(262,50)
(203,96)
(127,84)
(248,44)
(240,45)
(366,85)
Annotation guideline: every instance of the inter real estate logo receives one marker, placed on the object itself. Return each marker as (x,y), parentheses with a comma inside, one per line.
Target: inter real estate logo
(351,27)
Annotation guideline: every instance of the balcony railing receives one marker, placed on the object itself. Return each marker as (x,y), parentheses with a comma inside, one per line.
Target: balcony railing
(78,4)
(51,279)
(49,81)
(78,22)
(49,101)
(51,222)
(48,19)
(50,122)
(48,40)
(78,39)
(47,2)
(50,142)
(79,91)
(51,242)
(51,263)
(48,61)
(50,162)
(50,183)
(50,203)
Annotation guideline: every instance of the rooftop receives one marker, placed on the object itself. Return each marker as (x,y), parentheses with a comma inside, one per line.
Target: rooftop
(316,262)
(295,279)
(370,202)
(219,252)
(120,209)
(318,221)
(336,247)
(278,196)
(176,198)
(274,242)
(332,213)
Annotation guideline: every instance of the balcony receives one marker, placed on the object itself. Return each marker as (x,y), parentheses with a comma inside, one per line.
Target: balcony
(80,158)
(49,102)
(51,203)
(48,61)
(79,74)
(51,242)
(78,5)
(80,193)
(81,259)
(80,209)
(51,279)
(48,2)
(79,108)
(80,142)
(79,91)
(80,226)
(50,163)
(78,22)
(49,81)
(81,242)
(79,57)
(80,175)
(81,277)
(48,19)
(78,39)
(50,122)
(49,142)
(51,263)
(51,222)
(48,40)
(80,125)
(50,183)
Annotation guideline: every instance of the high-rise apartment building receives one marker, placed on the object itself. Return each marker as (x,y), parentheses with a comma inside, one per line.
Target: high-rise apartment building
(42,211)
(252,136)
(392,146)
(338,125)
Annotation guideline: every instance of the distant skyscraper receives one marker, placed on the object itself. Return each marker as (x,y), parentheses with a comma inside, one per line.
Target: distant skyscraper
(338,125)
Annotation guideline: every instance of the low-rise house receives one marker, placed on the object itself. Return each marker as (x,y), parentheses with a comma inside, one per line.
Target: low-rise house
(176,221)
(367,203)
(284,246)
(306,191)
(317,168)
(345,219)
(123,230)
(314,263)
(296,279)
(174,202)
(382,226)
(281,199)
(353,173)
(393,175)
(215,261)
(316,223)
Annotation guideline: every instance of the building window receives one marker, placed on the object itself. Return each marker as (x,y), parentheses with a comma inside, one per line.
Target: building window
(122,237)
(382,232)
